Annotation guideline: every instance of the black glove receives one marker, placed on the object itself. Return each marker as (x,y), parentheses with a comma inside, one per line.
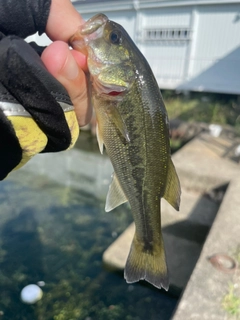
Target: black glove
(36,114)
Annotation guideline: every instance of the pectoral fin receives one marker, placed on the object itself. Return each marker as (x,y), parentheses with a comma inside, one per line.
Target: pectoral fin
(99,139)
(173,189)
(119,122)
(115,195)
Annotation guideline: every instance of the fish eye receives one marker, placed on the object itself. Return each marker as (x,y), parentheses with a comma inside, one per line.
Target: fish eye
(115,37)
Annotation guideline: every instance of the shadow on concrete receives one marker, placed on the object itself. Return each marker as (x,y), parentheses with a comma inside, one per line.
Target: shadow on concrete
(184,239)
(196,227)
(188,230)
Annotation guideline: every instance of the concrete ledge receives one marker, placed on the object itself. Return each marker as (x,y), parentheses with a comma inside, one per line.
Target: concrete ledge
(207,286)
(201,166)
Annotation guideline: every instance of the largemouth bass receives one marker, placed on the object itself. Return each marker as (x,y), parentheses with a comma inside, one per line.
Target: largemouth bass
(132,123)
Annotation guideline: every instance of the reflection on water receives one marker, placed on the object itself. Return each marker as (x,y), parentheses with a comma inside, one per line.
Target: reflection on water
(53,228)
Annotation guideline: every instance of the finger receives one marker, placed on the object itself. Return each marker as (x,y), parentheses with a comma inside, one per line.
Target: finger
(63,20)
(67,69)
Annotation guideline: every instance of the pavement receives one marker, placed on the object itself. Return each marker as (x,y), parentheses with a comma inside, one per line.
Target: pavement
(210,283)
(208,224)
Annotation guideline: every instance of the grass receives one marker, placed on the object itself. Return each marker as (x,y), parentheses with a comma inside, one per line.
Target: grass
(231,302)
(204,107)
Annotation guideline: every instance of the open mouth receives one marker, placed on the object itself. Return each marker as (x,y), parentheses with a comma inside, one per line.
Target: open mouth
(114,93)
(110,90)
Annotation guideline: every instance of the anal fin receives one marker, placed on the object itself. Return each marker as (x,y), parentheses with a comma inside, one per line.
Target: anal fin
(115,196)
(173,189)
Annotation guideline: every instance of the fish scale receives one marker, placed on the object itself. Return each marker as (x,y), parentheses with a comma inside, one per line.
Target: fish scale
(133,125)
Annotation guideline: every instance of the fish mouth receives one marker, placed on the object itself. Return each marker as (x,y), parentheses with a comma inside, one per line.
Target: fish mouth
(110,90)
(93,24)
(81,41)
(88,31)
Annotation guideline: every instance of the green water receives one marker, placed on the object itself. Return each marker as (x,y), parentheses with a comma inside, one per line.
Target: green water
(53,228)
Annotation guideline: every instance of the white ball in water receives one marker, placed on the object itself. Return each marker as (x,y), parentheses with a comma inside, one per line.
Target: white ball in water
(31,294)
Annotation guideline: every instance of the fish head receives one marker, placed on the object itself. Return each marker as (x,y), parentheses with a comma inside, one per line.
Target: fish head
(108,48)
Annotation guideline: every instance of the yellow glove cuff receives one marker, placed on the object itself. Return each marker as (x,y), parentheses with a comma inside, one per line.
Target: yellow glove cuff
(33,140)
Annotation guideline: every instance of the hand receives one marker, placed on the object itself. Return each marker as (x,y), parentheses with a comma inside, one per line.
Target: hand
(36,113)
(67,66)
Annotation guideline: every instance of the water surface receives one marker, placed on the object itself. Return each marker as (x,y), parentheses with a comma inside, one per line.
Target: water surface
(53,228)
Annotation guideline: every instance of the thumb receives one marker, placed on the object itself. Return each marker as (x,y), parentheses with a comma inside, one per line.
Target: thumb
(67,67)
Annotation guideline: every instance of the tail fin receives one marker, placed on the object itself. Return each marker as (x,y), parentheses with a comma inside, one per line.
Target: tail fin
(147,265)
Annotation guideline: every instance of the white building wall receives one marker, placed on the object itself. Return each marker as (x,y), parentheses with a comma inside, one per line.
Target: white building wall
(166,17)
(214,59)
(166,57)
(217,34)
(42,40)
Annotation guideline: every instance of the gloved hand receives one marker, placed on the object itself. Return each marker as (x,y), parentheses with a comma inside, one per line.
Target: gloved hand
(36,114)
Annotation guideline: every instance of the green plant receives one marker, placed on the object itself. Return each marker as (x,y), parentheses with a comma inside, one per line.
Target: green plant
(198,107)
(231,302)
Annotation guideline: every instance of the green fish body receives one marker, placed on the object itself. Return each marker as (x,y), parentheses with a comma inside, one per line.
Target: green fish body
(133,127)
